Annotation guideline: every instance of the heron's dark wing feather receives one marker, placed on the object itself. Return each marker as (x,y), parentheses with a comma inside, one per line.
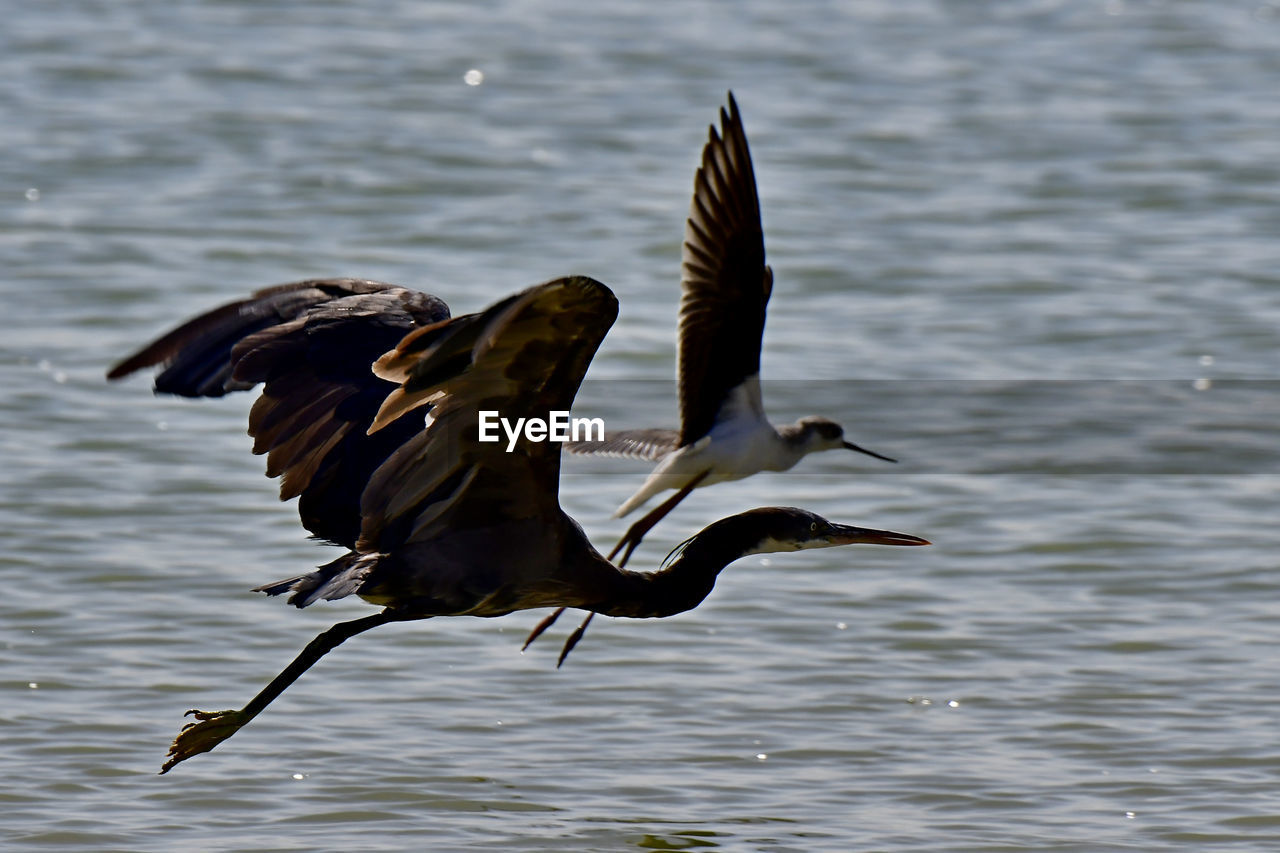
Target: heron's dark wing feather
(725,281)
(522,358)
(312,345)
(647,444)
(196,357)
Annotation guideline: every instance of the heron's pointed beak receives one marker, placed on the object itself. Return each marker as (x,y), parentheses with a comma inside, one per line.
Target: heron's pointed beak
(844,534)
(849,445)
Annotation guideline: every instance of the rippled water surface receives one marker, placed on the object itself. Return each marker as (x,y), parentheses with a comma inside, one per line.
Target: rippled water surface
(1085,660)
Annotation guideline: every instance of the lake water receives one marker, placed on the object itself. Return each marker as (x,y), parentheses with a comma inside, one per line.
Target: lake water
(1030,249)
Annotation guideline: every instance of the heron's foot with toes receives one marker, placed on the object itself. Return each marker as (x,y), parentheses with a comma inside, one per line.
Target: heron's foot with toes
(210,729)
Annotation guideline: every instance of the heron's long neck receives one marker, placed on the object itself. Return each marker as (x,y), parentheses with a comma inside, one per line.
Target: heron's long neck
(680,586)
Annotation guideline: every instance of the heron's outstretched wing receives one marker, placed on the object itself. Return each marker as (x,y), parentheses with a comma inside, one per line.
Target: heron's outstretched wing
(312,344)
(648,444)
(522,358)
(725,281)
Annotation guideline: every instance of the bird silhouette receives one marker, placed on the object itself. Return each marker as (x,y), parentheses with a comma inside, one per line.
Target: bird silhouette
(724,432)
(370,412)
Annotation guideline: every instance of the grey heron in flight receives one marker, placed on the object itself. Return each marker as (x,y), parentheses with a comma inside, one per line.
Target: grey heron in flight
(369,413)
(724,432)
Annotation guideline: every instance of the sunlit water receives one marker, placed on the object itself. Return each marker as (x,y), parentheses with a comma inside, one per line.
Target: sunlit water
(1085,660)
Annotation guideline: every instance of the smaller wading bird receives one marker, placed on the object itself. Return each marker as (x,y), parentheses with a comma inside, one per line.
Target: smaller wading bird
(370,413)
(724,433)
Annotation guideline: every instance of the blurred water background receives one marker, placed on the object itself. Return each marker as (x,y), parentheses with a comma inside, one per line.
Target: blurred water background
(962,201)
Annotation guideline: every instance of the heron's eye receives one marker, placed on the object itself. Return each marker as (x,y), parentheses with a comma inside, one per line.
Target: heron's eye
(813,527)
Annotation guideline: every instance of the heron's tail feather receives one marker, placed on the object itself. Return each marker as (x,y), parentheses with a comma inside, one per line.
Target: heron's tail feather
(338,579)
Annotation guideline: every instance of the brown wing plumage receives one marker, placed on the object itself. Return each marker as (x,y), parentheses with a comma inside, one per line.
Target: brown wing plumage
(195,358)
(725,281)
(522,358)
(312,345)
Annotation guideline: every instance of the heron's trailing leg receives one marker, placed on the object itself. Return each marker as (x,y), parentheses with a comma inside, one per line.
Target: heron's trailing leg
(213,727)
(631,539)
